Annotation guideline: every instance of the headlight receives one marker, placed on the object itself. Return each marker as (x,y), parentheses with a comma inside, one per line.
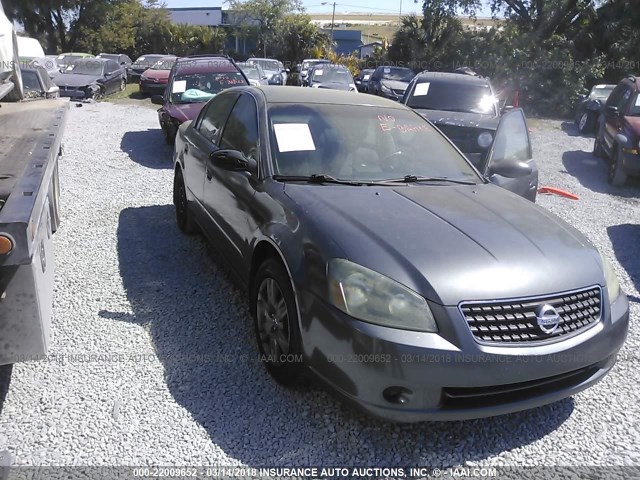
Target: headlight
(374,298)
(385,89)
(611,279)
(485,139)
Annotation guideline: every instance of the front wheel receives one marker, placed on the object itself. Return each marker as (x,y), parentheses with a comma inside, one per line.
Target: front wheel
(587,122)
(276,324)
(170,132)
(123,84)
(617,175)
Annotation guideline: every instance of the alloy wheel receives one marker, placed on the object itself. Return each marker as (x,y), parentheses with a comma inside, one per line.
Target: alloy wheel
(272,320)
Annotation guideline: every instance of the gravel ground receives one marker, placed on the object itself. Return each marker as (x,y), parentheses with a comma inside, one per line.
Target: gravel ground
(152,343)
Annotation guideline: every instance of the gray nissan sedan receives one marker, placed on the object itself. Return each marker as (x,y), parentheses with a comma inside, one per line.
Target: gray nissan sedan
(379,261)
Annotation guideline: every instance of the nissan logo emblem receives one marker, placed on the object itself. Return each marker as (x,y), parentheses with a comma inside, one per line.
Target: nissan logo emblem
(548,319)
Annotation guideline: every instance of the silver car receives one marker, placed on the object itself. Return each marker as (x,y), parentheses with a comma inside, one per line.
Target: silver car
(381,263)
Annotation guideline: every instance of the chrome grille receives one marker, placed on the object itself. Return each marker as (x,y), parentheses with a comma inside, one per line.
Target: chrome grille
(514,321)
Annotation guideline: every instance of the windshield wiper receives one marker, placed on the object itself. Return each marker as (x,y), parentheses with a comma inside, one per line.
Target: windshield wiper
(315,178)
(415,178)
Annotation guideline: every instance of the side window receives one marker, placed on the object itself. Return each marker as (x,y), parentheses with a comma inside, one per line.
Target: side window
(615,96)
(624,100)
(241,130)
(215,116)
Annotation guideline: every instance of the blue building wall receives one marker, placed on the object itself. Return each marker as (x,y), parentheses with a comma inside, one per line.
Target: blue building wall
(346,41)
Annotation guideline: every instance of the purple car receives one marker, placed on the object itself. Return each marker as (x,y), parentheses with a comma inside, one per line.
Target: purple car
(193,82)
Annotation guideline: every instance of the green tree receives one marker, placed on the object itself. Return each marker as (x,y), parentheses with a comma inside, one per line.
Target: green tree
(298,38)
(265,18)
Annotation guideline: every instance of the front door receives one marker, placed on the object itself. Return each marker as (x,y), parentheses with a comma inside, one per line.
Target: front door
(512,145)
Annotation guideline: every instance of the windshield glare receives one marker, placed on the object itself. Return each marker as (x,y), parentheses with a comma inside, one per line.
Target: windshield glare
(196,88)
(333,75)
(600,93)
(270,65)
(30,80)
(85,68)
(360,143)
(251,72)
(166,64)
(399,74)
(453,97)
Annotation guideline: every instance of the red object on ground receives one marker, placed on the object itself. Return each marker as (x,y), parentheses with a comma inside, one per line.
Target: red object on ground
(557,191)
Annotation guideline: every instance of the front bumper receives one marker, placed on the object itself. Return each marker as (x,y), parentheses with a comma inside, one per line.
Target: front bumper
(75,93)
(393,95)
(448,375)
(152,88)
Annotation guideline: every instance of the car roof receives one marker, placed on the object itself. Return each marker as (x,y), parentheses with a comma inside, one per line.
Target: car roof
(459,78)
(87,60)
(283,94)
(211,64)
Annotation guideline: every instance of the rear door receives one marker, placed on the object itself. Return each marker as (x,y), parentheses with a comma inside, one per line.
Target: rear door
(512,145)
(612,124)
(112,76)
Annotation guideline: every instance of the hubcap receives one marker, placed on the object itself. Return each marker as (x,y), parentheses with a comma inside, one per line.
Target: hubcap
(583,121)
(181,201)
(273,321)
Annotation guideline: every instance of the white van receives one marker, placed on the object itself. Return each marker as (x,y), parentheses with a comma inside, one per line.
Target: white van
(29,48)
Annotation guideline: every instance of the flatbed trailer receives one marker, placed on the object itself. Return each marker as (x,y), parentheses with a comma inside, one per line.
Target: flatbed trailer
(30,147)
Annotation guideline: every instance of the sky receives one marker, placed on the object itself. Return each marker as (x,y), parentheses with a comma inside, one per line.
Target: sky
(315,6)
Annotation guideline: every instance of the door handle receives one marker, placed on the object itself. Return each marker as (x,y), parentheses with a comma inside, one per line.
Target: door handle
(186,148)
(209,173)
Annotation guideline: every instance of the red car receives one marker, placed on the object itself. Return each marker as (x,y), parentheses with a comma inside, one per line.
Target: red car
(154,80)
(193,81)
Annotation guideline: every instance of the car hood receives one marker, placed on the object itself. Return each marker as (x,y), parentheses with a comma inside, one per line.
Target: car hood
(452,243)
(460,119)
(335,86)
(395,84)
(634,123)
(185,111)
(160,75)
(75,80)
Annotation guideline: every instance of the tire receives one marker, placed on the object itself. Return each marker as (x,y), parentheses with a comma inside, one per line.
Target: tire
(617,176)
(587,122)
(598,150)
(123,84)
(170,132)
(273,307)
(17,94)
(184,217)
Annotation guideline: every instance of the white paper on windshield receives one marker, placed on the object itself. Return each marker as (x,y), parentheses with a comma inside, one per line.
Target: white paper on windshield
(387,70)
(179,86)
(638,101)
(421,89)
(319,73)
(366,77)
(293,137)
(60,57)
(140,59)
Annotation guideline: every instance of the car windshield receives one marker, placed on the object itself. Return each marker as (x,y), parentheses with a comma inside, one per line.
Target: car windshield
(85,67)
(251,71)
(147,60)
(200,87)
(333,75)
(600,92)
(164,64)
(110,56)
(270,65)
(360,143)
(308,64)
(30,80)
(69,58)
(400,74)
(453,97)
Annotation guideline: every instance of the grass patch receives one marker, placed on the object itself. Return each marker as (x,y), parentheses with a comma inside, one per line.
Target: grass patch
(130,95)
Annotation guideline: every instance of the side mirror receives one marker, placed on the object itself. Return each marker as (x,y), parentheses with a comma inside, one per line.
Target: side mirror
(286,70)
(232,160)
(611,110)
(510,169)
(157,99)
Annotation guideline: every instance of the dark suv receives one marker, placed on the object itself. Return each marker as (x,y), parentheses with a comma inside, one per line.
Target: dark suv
(618,134)
(463,106)
(192,82)
(390,82)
